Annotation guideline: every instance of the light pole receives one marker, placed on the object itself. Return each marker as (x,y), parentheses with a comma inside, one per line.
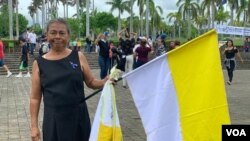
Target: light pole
(189,22)
(17,20)
(43,14)
(10,19)
(147,18)
(87,17)
(78,15)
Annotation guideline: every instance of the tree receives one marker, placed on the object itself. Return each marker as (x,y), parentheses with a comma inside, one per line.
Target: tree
(121,6)
(32,11)
(141,4)
(222,16)
(155,12)
(234,5)
(108,21)
(201,19)
(74,26)
(242,11)
(188,9)
(131,15)
(22,23)
(176,17)
(64,2)
(4,16)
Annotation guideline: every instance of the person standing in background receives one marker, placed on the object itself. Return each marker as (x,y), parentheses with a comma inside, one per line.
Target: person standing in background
(103,59)
(98,38)
(88,44)
(74,44)
(24,58)
(32,41)
(2,59)
(79,44)
(142,53)
(246,45)
(161,45)
(127,46)
(230,51)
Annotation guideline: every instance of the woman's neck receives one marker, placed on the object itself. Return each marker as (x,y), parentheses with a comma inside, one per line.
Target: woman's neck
(59,51)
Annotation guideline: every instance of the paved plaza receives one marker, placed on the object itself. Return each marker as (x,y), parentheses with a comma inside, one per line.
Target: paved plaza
(15,117)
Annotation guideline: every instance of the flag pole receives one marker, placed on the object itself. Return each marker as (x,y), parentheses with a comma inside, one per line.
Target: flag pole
(99,90)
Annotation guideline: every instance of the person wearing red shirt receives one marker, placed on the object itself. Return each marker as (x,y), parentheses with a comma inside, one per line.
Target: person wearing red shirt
(2,59)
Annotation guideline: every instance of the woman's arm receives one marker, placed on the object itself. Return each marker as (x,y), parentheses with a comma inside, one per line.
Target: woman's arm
(35,100)
(90,80)
(238,55)
(119,33)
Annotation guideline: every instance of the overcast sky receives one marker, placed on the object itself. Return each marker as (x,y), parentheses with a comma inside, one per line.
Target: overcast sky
(166,5)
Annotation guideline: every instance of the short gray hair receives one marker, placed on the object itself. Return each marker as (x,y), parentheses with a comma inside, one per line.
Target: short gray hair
(58,20)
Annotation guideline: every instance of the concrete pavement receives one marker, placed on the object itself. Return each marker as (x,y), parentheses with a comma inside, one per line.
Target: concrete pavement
(15,117)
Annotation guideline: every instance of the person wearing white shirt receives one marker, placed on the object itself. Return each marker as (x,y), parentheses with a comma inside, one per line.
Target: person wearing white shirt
(32,41)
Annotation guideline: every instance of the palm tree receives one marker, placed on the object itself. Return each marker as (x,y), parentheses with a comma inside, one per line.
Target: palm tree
(43,13)
(242,11)
(222,16)
(205,7)
(188,8)
(37,5)
(155,12)
(234,5)
(176,16)
(201,20)
(32,11)
(11,5)
(64,2)
(68,3)
(210,7)
(121,6)
(131,15)
(141,4)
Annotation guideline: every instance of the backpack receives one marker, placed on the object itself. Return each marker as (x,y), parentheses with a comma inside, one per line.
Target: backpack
(43,49)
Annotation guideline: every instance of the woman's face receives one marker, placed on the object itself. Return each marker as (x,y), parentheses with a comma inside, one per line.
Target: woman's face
(159,42)
(58,35)
(229,43)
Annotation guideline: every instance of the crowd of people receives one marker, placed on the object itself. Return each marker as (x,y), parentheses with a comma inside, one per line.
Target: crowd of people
(131,52)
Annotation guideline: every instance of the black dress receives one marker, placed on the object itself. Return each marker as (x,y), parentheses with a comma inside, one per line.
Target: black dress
(66,116)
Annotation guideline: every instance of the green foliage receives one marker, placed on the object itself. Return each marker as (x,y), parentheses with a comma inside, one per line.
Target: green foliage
(23,23)
(103,21)
(75,26)
(99,22)
(7,41)
(4,18)
(37,29)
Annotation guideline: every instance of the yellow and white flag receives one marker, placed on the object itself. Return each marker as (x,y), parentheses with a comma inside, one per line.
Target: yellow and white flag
(181,95)
(106,125)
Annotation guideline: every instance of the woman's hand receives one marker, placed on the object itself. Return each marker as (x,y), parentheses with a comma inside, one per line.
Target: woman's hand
(35,134)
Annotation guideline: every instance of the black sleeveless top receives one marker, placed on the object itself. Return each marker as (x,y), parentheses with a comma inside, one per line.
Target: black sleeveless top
(65,111)
(231,53)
